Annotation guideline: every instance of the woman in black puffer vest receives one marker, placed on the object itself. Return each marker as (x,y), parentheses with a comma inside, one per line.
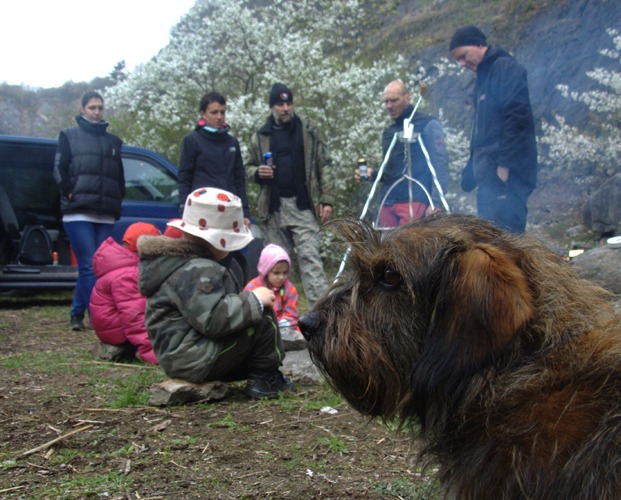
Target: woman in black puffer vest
(89,172)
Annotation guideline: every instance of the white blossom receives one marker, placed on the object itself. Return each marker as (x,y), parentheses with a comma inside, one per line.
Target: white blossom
(570,148)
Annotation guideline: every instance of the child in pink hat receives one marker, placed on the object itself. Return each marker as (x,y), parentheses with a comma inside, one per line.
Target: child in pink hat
(273,267)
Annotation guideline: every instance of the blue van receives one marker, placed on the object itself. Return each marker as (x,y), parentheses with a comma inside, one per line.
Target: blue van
(29,199)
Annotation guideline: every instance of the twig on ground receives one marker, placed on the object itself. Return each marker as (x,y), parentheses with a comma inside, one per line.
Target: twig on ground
(109,363)
(255,473)
(113,410)
(322,416)
(82,422)
(128,410)
(36,466)
(59,438)
(12,489)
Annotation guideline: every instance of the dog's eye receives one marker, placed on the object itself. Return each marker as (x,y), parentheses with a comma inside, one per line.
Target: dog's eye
(390,277)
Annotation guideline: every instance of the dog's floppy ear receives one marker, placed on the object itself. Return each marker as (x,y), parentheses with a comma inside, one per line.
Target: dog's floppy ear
(482,299)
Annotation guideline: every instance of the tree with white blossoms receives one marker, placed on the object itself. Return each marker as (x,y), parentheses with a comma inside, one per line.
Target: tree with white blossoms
(571,148)
(240,48)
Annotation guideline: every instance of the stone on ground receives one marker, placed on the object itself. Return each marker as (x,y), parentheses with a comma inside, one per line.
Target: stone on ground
(175,391)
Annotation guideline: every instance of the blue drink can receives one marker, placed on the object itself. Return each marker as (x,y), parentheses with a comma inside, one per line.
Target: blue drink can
(268,159)
(362,169)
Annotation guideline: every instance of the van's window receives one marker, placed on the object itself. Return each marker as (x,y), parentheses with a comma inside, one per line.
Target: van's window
(26,176)
(146,181)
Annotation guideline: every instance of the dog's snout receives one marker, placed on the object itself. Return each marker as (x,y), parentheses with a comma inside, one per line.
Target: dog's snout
(310,325)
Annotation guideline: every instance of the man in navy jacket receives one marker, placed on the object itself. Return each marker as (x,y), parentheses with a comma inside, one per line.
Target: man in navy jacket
(503,151)
(403,201)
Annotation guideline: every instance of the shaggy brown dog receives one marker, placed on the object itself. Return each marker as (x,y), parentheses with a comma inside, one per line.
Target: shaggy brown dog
(511,363)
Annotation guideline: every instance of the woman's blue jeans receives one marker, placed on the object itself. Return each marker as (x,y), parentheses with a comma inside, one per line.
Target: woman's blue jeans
(85,238)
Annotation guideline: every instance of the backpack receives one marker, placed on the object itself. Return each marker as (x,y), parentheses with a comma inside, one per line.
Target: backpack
(35,246)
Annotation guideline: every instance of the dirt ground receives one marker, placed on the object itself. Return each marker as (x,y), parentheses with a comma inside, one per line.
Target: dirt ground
(121,447)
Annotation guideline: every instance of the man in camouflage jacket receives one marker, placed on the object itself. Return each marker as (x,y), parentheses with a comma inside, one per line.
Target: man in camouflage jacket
(294,193)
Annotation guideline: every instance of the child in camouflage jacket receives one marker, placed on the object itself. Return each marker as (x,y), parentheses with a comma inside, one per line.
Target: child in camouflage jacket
(202,326)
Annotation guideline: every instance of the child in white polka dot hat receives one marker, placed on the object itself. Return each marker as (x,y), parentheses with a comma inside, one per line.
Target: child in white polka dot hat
(202,326)
(215,216)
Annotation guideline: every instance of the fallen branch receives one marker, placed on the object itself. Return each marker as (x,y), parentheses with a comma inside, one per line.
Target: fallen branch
(59,438)
(36,466)
(109,363)
(112,410)
(127,410)
(82,422)
(12,489)
(322,416)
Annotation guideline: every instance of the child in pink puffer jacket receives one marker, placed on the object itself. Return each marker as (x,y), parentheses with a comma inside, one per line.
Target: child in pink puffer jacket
(117,308)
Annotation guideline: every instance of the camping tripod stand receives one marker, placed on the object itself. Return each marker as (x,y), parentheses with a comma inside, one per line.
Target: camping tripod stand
(408,177)
(407,137)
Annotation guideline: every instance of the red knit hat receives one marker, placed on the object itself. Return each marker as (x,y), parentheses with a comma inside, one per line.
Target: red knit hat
(173,232)
(133,232)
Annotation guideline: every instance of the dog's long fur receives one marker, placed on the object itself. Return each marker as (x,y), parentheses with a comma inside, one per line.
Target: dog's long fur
(511,364)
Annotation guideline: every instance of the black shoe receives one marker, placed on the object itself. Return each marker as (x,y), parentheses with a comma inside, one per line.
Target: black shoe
(268,384)
(77,323)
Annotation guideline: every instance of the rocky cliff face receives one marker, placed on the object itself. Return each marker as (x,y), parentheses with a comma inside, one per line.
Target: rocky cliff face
(558,43)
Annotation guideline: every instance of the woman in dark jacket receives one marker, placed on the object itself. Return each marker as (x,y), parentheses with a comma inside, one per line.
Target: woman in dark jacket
(89,172)
(210,156)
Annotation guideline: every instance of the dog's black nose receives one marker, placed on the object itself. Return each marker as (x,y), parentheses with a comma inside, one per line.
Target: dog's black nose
(309,325)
